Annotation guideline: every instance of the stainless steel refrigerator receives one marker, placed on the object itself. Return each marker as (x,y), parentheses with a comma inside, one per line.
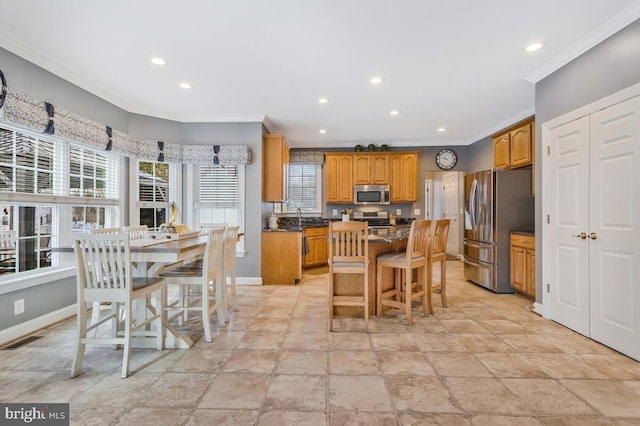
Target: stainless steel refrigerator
(496,202)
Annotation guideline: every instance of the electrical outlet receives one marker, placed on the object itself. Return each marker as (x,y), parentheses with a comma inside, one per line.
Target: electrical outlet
(335,212)
(398,212)
(18,307)
(416,212)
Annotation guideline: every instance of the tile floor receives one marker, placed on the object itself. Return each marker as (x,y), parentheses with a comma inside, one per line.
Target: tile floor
(485,360)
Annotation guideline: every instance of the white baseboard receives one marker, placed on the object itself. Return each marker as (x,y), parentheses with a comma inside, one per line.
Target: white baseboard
(30,326)
(538,309)
(247,280)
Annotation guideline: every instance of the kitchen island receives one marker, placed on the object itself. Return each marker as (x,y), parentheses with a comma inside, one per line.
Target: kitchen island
(381,241)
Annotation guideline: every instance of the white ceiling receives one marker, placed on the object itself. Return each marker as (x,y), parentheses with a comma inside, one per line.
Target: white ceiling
(458,64)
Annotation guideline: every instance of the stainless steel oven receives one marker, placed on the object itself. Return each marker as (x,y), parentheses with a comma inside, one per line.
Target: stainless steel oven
(371,195)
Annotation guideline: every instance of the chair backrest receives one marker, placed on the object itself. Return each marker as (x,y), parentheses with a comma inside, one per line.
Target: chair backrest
(7,240)
(348,242)
(213,254)
(230,242)
(105,231)
(136,232)
(440,235)
(419,239)
(206,227)
(104,267)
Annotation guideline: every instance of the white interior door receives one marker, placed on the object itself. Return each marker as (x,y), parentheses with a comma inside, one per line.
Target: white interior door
(428,199)
(591,256)
(615,227)
(566,171)
(450,210)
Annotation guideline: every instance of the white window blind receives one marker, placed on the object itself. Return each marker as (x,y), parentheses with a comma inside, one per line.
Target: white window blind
(219,195)
(305,187)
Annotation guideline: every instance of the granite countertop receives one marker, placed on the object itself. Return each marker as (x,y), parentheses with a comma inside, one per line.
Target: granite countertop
(525,232)
(389,235)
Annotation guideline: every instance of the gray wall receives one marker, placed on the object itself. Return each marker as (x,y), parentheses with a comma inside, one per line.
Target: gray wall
(480,155)
(607,68)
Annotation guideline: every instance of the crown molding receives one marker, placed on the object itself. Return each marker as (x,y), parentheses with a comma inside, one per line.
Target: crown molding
(615,24)
(525,113)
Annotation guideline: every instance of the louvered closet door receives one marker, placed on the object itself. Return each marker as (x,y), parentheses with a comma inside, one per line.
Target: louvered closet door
(615,224)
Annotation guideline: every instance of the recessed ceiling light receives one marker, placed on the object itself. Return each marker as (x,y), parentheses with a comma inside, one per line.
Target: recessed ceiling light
(533,47)
(394,112)
(322,131)
(442,129)
(158,61)
(376,80)
(323,100)
(185,85)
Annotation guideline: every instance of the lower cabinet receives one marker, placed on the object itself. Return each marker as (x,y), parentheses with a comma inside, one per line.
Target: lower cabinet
(523,264)
(281,257)
(317,242)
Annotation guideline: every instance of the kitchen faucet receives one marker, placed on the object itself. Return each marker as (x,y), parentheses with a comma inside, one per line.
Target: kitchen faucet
(299,213)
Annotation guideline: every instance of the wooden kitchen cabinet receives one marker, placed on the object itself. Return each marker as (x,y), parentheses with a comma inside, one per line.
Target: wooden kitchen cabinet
(523,263)
(339,177)
(513,148)
(281,257)
(370,169)
(275,168)
(403,177)
(318,248)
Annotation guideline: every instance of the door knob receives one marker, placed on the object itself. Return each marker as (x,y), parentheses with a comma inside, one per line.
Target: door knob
(593,235)
(581,235)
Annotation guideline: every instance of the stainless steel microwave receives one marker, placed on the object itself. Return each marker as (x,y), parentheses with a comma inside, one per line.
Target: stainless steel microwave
(371,194)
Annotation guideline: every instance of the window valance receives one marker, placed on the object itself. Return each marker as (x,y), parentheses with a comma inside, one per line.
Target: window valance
(306,157)
(22,109)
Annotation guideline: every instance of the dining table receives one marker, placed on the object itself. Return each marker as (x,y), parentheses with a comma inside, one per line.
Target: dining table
(150,257)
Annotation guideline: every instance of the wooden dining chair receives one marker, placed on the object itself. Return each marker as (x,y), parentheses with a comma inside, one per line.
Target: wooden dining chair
(136,232)
(439,255)
(104,275)
(101,306)
(349,254)
(105,231)
(405,263)
(204,283)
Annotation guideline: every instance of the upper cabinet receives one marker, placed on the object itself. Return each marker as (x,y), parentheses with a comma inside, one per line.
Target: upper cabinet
(370,169)
(514,147)
(339,177)
(403,173)
(275,168)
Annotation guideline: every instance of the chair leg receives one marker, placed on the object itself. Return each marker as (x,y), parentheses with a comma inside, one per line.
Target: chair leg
(206,319)
(423,277)
(407,295)
(379,290)
(95,316)
(330,292)
(234,293)
(81,335)
(159,322)
(365,292)
(443,283)
(429,286)
(126,356)
(221,303)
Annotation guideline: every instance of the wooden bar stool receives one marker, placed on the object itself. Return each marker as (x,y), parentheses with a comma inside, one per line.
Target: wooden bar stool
(405,290)
(439,254)
(349,254)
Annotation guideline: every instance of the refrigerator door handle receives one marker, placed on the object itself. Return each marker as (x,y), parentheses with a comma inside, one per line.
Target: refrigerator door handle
(473,199)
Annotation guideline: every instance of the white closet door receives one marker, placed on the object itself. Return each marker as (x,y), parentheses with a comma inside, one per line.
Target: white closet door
(450,188)
(567,173)
(615,227)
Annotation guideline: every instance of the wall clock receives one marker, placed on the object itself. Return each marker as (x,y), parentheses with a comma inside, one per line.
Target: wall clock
(446,159)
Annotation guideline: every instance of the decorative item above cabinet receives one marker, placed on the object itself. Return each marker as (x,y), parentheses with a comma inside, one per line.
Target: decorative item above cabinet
(275,168)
